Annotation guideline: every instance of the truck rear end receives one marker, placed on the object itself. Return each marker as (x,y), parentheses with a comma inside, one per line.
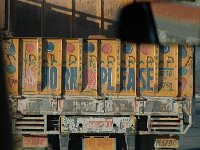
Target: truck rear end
(98,88)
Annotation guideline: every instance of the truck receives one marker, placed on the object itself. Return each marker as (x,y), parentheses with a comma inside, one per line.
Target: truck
(69,91)
(96,88)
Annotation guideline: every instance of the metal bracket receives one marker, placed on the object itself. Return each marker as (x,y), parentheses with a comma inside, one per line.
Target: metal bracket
(130,141)
(64,141)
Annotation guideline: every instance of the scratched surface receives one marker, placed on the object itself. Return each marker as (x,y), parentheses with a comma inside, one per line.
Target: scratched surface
(51,65)
(30,141)
(30,65)
(99,144)
(96,124)
(88,105)
(11,53)
(89,67)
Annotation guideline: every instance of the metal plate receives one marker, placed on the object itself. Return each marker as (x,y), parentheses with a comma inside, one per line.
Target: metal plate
(95,124)
(99,144)
(166,143)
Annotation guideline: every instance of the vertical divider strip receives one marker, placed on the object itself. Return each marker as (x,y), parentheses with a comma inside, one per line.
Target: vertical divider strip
(118,66)
(39,81)
(156,67)
(135,65)
(80,72)
(59,67)
(137,72)
(176,62)
(23,66)
(99,68)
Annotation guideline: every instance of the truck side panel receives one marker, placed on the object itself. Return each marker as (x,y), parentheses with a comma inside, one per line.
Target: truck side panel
(89,67)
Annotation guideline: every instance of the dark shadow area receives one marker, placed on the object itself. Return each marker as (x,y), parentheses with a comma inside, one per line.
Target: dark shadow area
(39,18)
(161,66)
(136,24)
(54,24)
(53,140)
(145,142)
(27,19)
(85,73)
(197,112)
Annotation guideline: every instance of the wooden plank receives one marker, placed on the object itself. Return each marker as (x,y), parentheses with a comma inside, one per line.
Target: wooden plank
(28,127)
(30,65)
(165,119)
(165,128)
(51,66)
(11,55)
(165,123)
(29,122)
(89,67)
(186,70)
(32,118)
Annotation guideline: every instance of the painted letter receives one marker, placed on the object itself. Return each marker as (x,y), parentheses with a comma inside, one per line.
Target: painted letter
(149,78)
(123,78)
(131,79)
(142,79)
(53,77)
(110,87)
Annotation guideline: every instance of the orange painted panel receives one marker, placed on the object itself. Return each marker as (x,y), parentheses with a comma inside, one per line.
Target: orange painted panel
(11,51)
(99,144)
(30,141)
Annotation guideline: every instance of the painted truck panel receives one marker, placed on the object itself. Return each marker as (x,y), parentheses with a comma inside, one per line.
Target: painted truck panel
(11,55)
(89,67)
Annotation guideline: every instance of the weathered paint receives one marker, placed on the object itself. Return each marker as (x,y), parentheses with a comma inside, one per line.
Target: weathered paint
(51,66)
(89,67)
(30,65)
(11,56)
(95,124)
(30,141)
(99,144)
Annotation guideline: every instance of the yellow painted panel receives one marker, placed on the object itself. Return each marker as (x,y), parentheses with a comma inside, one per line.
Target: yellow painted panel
(128,69)
(94,67)
(29,49)
(70,67)
(10,49)
(89,66)
(108,64)
(185,71)
(168,70)
(51,66)
(146,63)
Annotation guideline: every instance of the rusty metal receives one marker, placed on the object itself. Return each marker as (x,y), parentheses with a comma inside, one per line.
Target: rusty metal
(64,86)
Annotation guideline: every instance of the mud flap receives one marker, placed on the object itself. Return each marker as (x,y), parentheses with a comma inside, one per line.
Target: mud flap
(64,141)
(130,142)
